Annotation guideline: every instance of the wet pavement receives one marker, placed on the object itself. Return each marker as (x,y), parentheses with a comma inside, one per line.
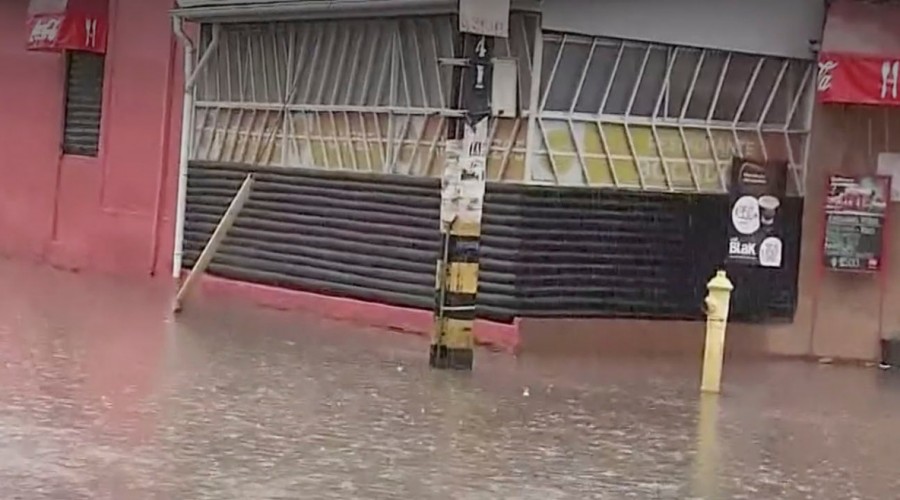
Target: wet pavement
(103,396)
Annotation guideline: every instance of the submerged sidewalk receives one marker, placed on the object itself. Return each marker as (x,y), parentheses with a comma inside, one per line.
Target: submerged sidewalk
(104,396)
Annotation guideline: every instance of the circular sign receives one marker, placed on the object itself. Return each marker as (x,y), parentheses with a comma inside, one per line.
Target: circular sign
(745,215)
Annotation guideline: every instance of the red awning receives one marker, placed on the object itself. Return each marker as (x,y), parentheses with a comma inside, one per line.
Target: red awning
(57,25)
(860,59)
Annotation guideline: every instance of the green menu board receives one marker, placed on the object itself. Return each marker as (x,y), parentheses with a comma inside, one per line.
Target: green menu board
(855,211)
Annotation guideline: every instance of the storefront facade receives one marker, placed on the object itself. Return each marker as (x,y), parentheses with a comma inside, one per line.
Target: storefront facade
(607,201)
(85,145)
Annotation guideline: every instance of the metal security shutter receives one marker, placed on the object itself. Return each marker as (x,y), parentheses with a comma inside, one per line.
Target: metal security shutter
(84,103)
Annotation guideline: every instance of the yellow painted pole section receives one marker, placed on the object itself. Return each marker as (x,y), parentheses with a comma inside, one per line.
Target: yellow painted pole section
(717,302)
(212,246)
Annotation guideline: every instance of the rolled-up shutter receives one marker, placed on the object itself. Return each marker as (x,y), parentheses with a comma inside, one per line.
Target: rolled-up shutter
(84,103)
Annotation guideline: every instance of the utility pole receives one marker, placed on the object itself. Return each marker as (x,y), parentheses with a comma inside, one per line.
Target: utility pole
(462,190)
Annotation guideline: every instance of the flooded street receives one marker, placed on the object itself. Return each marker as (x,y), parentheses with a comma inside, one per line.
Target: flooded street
(104,396)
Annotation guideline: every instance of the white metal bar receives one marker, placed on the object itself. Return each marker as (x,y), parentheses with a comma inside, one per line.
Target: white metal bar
(382,140)
(768,106)
(800,95)
(489,143)
(236,128)
(351,146)
(239,53)
(297,64)
(689,157)
(609,156)
(671,122)
(281,54)
(387,68)
(653,129)
(640,79)
(628,137)
(187,125)
(434,142)
(532,133)
(562,47)
(579,153)
(690,92)
(370,67)
(329,56)
(226,49)
(715,101)
(612,78)
(354,65)
(810,91)
(317,118)
(245,145)
(403,72)
(514,136)
(399,142)
(551,160)
(284,93)
(207,54)
(213,131)
(665,84)
(317,44)
(584,72)
(212,246)
(342,59)
(368,146)
(419,66)
(739,150)
(260,47)
(524,69)
(309,120)
(393,95)
(749,90)
(437,67)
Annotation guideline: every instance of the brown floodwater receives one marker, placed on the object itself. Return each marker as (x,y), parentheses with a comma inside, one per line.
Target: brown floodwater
(103,395)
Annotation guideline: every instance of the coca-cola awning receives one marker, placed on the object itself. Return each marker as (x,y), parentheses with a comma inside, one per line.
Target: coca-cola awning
(57,25)
(860,58)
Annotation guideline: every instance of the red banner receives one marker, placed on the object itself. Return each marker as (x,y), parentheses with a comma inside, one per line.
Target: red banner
(57,25)
(852,79)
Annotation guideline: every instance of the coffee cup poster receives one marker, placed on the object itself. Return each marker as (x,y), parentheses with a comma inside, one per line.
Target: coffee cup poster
(757,193)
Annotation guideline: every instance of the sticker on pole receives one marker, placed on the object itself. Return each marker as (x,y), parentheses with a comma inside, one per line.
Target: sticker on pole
(484,17)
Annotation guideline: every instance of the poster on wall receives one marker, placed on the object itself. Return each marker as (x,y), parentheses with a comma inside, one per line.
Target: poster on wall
(755,233)
(855,211)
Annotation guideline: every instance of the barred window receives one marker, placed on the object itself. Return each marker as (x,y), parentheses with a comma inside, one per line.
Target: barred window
(366,95)
(84,103)
(650,116)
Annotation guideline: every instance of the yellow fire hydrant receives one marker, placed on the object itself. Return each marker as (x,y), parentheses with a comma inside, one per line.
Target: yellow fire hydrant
(716,307)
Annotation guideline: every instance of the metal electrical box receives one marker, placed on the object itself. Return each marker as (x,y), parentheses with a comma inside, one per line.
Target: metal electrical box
(504,94)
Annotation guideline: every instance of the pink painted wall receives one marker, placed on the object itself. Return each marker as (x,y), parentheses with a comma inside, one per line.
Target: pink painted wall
(112,213)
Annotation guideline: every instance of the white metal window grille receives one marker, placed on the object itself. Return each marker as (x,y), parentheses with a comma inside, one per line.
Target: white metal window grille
(365,95)
(655,117)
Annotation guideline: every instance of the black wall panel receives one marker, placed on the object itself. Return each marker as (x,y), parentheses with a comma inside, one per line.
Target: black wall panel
(546,252)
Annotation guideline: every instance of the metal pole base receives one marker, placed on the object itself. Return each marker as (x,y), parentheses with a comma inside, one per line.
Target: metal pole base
(444,358)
